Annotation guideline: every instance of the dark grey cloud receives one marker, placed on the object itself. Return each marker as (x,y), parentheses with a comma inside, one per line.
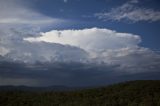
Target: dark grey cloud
(69,74)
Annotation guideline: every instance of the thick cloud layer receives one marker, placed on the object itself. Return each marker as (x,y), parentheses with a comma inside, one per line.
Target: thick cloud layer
(106,46)
(69,74)
(74,57)
(99,46)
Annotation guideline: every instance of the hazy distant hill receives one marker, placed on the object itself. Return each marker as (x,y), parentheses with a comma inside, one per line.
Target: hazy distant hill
(133,93)
(35,89)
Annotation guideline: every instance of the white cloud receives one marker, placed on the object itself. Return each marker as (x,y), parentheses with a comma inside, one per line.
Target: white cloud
(129,11)
(93,39)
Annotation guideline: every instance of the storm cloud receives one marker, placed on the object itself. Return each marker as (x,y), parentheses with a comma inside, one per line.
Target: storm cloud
(89,56)
(74,57)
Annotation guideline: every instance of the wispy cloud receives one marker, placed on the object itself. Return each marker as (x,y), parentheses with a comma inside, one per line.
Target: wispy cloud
(130,11)
(65,1)
(15,13)
(31,21)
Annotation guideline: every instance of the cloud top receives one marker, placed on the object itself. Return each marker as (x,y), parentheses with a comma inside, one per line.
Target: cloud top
(92,39)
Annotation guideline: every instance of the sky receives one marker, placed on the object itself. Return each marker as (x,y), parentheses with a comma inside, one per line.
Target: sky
(78,42)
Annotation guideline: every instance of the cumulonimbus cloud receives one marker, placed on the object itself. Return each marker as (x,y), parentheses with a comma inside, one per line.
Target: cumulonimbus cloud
(80,57)
(105,46)
(92,45)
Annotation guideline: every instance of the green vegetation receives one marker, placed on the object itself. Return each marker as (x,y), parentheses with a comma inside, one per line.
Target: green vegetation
(133,93)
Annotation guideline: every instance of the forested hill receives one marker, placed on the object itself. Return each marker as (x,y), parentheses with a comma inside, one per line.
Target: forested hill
(132,93)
